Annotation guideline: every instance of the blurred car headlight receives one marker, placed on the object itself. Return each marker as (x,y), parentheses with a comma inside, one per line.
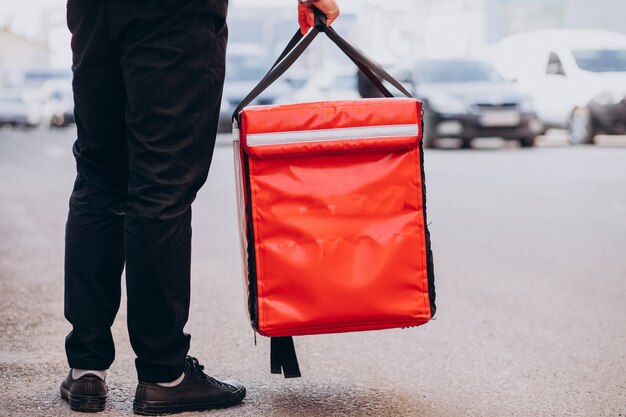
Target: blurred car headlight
(607,98)
(443,103)
(526,105)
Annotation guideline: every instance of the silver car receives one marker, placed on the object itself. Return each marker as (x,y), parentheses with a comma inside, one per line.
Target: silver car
(17,110)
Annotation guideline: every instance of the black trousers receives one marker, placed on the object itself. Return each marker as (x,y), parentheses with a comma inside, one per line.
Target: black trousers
(147,80)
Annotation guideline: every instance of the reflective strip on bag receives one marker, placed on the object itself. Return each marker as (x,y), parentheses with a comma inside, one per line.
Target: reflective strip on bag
(327,135)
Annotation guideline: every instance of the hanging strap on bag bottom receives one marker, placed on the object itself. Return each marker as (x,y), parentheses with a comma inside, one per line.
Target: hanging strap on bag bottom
(283,357)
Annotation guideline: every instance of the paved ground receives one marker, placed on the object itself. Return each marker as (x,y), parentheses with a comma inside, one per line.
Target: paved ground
(530,255)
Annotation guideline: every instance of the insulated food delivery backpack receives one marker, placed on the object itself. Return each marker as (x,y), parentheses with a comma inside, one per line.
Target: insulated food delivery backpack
(332,211)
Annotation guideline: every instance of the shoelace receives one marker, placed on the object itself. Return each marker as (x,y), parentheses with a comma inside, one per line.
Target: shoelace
(197,371)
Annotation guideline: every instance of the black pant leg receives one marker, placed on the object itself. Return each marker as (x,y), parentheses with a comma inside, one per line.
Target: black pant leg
(172,58)
(94,241)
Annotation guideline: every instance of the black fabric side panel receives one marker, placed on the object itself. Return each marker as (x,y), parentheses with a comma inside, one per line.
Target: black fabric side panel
(253,305)
(430,268)
(283,356)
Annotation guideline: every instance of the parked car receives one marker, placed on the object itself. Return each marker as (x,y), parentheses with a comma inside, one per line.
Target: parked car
(577,78)
(246,65)
(58,103)
(467,99)
(16,109)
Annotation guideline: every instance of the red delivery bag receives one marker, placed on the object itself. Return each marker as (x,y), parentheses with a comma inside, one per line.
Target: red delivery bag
(332,211)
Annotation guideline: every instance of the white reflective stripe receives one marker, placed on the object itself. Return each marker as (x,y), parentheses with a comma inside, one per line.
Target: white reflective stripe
(325,135)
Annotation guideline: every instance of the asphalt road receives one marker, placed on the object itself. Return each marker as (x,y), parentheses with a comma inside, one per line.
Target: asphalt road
(530,257)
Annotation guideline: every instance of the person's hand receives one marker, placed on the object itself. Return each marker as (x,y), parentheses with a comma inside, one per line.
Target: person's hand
(306,17)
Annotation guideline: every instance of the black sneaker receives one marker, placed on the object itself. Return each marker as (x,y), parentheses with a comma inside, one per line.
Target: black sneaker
(87,393)
(196,392)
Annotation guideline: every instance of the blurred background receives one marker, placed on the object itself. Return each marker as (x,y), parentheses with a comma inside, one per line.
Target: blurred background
(525,129)
(484,68)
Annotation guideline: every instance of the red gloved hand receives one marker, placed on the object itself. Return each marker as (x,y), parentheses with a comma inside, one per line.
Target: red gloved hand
(306,17)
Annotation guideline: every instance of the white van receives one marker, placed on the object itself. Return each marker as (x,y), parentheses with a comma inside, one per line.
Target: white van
(577,78)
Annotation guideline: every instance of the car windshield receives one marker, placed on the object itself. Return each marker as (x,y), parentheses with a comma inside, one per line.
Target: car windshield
(61,95)
(347,82)
(245,68)
(457,72)
(601,60)
(11,100)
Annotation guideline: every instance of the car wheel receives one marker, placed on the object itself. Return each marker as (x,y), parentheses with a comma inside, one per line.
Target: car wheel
(527,142)
(580,127)
(429,142)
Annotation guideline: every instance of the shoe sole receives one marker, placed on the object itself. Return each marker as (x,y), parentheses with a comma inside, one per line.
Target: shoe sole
(85,403)
(155,408)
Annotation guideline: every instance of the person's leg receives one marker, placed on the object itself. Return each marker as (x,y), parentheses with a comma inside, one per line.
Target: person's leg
(94,240)
(172,58)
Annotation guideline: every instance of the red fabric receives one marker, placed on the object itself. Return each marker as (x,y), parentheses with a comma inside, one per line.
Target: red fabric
(330,115)
(339,233)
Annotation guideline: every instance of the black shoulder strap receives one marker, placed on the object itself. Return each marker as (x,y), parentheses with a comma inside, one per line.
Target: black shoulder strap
(298,44)
(283,357)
